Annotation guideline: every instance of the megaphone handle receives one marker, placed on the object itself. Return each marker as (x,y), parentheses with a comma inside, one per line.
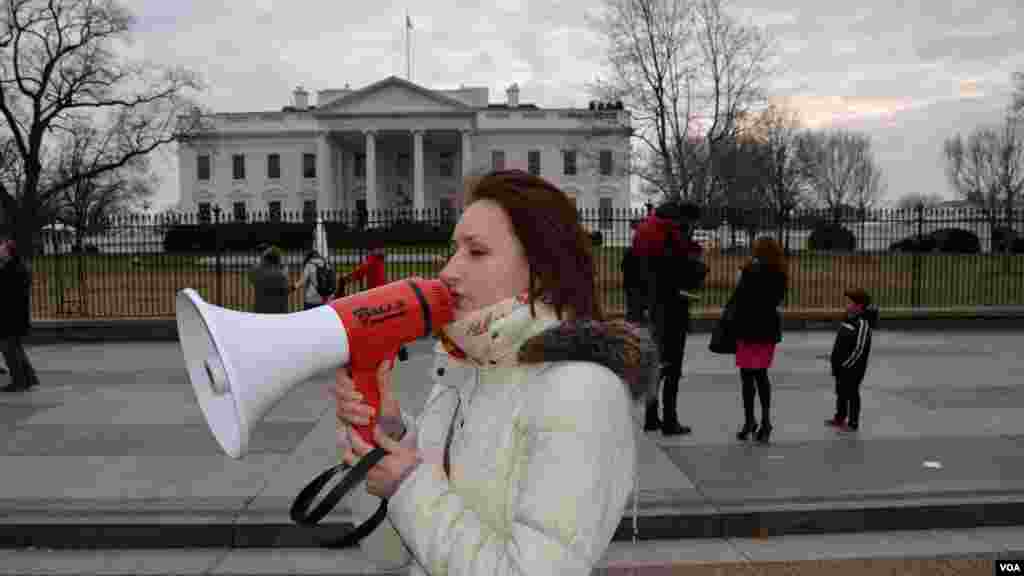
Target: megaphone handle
(365,382)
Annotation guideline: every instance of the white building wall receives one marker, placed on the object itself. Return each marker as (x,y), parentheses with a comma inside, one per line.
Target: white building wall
(587,185)
(291,189)
(515,131)
(256,189)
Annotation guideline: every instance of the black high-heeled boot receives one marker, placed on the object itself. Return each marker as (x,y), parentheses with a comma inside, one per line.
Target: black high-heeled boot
(744,432)
(764,432)
(651,420)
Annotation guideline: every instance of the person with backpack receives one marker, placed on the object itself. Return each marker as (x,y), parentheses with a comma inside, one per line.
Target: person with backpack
(849,358)
(674,265)
(317,281)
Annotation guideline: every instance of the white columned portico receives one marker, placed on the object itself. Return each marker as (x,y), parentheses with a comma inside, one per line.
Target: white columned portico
(340,198)
(467,166)
(371,171)
(419,202)
(324,173)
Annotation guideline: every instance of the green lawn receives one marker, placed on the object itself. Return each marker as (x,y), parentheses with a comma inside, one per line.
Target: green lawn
(117,285)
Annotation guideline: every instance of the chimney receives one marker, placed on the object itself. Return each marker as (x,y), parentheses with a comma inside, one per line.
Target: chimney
(513,96)
(301,98)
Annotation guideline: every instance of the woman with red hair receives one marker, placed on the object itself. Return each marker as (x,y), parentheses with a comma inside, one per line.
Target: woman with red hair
(757,325)
(524,457)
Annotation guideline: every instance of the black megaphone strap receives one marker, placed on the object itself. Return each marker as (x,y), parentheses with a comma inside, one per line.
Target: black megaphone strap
(300,511)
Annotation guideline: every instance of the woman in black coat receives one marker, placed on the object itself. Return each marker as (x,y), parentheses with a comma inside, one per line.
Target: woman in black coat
(757,326)
(15,288)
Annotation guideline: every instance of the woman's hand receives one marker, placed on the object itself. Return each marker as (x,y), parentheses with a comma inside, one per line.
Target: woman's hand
(349,404)
(386,476)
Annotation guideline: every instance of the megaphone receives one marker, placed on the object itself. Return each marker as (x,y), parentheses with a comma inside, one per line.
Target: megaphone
(241,364)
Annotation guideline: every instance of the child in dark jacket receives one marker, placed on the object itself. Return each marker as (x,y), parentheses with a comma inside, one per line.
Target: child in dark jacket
(850,358)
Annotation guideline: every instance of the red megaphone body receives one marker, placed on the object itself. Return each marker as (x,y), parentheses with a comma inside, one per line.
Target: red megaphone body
(379,321)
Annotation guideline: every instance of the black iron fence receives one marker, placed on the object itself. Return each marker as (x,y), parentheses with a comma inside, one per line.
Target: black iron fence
(905,259)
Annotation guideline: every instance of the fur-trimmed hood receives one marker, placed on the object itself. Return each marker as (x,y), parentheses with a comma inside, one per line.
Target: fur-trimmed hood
(620,346)
(509,333)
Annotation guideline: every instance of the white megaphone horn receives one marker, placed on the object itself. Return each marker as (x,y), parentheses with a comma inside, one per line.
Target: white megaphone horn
(241,364)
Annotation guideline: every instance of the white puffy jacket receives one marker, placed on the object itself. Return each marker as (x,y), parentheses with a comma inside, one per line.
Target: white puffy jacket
(542,457)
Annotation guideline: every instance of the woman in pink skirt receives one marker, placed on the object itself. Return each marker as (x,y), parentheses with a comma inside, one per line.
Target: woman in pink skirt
(757,326)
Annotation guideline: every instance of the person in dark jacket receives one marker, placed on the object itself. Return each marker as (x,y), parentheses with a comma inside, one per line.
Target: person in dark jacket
(271,283)
(15,296)
(757,325)
(850,358)
(634,278)
(673,263)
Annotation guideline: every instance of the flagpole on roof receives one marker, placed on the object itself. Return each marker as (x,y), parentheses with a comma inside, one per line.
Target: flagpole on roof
(408,26)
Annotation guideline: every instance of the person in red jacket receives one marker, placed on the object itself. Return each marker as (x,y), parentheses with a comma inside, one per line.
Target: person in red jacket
(674,264)
(375,273)
(372,269)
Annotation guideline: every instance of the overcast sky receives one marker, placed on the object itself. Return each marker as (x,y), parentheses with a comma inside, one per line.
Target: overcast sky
(908,76)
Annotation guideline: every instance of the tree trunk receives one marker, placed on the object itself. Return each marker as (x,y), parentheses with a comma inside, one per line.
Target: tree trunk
(25,219)
(1010,236)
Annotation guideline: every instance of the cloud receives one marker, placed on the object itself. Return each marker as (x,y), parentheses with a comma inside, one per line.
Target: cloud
(969,89)
(971,48)
(819,111)
(907,144)
(874,63)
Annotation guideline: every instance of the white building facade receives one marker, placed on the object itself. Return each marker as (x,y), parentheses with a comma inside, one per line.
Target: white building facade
(397,145)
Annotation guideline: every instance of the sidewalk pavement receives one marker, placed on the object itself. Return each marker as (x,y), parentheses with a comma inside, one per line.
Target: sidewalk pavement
(961,319)
(112,451)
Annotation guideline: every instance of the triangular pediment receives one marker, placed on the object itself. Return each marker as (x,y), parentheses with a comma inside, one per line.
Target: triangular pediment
(394,95)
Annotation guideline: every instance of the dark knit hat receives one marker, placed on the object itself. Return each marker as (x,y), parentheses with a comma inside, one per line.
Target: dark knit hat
(678,210)
(858,296)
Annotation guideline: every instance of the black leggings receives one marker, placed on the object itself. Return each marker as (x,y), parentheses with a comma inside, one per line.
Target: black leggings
(756,378)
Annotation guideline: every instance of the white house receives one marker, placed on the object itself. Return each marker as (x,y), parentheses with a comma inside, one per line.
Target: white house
(395,144)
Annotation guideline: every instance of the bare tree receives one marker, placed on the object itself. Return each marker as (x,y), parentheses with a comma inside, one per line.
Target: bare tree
(1017,106)
(868,186)
(58,68)
(987,169)
(839,169)
(732,64)
(88,204)
(777,130)
(10,178)
(686,70)
(740,169)
(649,62)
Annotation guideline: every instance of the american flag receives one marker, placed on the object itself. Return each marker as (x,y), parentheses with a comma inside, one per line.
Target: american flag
(408,22)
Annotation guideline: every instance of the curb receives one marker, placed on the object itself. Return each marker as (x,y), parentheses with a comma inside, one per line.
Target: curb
(987,318)
(154,534)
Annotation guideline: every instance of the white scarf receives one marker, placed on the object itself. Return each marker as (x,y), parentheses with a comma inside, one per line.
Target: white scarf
(493,334)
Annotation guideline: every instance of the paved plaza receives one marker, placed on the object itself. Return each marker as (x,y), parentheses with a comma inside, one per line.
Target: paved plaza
(112,453)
